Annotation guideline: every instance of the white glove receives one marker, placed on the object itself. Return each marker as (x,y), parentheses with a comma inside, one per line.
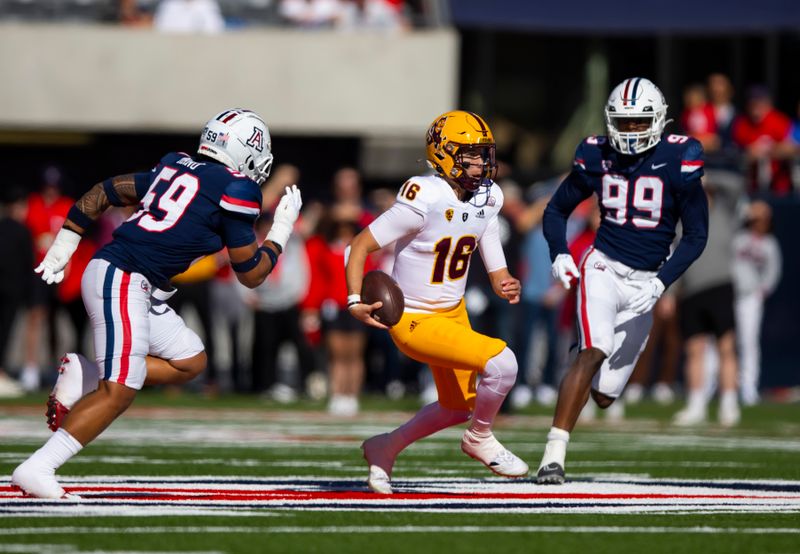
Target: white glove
(62,249)
(285,215)
(648,295)
(564,268)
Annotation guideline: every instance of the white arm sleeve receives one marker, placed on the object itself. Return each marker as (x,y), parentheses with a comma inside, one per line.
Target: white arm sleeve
(395,223)
(491,248)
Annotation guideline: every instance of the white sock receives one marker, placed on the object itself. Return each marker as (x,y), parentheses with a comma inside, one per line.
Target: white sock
(497,379)
(728,400)
(429,420)
(556,449)
(696,401)
(56,451)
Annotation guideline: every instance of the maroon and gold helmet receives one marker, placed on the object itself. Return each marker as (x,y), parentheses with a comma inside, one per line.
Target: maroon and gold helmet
(453,134)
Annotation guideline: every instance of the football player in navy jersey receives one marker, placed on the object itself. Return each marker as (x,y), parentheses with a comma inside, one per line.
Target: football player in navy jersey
(189,207)
(645,182)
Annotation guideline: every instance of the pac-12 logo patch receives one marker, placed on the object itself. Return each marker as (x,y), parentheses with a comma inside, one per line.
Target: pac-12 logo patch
(256,140)
(448,214)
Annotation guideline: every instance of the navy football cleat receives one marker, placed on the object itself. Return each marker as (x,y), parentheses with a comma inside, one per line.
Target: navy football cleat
(551,474)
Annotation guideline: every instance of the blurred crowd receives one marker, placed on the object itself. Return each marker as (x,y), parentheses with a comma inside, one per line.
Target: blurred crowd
(215,16)
(293,337)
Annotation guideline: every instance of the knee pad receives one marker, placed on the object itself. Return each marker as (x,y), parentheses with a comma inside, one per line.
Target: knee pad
(500,372)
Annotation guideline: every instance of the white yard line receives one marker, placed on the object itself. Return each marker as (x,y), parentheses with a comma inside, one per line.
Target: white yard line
(380,529)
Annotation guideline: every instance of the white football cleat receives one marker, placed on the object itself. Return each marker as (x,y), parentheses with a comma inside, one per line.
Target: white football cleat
(729,415)
(689,417)
(663,394)
(521,397)
(30,379)
(38,482)
(493,455)
(77,378)
(380,464)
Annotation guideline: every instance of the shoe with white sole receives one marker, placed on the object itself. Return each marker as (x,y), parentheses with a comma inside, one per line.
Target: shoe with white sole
(77,378)
(29,378)
(380,463)
(521,397)
(9,388)
(689,417)
(663,394)
(493,455)
(729,415)
(38,482)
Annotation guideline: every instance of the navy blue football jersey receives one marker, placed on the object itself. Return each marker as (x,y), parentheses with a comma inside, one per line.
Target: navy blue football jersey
(641,199)
(190,208)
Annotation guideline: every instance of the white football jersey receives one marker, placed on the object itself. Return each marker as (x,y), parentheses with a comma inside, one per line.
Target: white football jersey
(431,264)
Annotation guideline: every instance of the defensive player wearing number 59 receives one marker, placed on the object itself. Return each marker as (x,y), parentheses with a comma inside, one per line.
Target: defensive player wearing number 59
(645,182)
(437,222)
(190,206)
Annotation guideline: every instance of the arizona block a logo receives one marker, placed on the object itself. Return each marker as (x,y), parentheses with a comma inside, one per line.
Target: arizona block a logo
(256,140)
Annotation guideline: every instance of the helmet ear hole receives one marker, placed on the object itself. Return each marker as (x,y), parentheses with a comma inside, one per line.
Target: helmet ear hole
(250,165)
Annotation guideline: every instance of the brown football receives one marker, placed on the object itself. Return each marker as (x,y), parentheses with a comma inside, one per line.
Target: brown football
(377,286)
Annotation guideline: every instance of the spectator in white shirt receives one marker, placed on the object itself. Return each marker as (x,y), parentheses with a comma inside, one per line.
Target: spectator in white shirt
(756,272)
(189,16)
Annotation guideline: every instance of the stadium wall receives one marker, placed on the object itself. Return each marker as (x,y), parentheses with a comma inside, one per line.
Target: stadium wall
(105,78)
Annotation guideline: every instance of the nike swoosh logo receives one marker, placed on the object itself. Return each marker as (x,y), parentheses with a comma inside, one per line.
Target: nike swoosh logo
(658,166)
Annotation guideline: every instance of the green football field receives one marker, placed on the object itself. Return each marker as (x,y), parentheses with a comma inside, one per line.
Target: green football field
(234,474)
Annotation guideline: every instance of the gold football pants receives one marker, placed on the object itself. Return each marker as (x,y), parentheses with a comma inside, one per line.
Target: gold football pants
(455,353)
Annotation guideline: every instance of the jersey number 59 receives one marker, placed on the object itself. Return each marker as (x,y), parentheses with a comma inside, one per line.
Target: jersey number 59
(172,202)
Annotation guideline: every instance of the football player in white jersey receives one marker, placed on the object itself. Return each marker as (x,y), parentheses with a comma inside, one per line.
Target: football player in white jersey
(437,223)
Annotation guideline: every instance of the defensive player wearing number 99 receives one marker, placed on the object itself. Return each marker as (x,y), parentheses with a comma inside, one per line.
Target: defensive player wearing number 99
(190,206)
(646,182)
(437,222)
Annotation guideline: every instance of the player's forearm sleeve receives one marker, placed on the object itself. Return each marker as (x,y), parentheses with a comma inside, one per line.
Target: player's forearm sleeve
(395,223)
(491,248)
(694,219)
(554,224)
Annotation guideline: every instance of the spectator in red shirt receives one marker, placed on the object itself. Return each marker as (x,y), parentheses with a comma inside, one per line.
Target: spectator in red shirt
(326,306)
(697,119)
(47,211)
(763,132)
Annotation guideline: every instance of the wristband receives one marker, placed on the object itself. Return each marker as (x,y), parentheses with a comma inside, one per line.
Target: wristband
(273,256)
(277,245)
(353,299)
(247,265)
(79,218)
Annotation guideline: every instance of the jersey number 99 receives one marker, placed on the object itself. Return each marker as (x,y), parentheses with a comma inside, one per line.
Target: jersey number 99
(648,197)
